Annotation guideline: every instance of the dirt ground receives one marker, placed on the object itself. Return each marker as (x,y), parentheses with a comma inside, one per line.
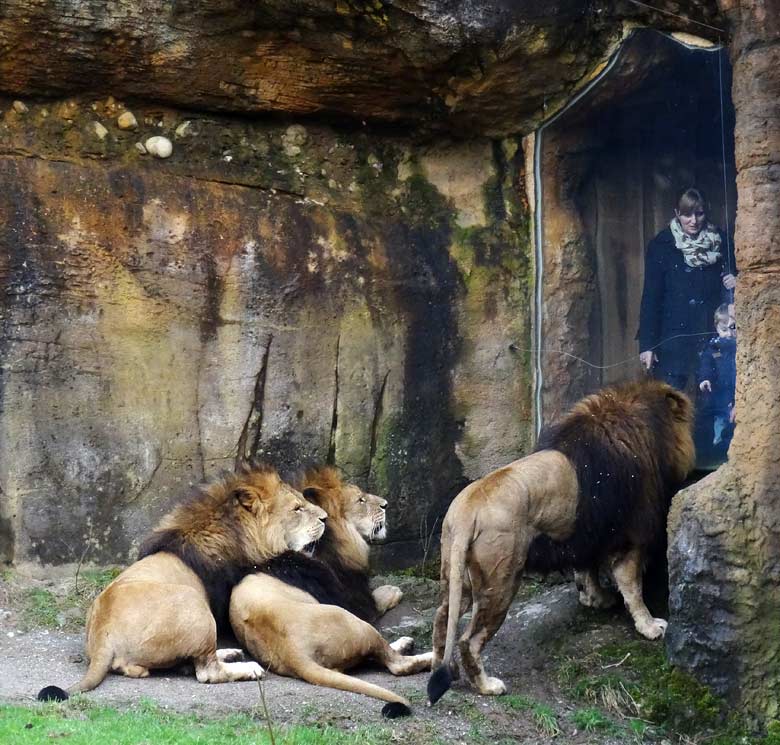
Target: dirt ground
(545,627)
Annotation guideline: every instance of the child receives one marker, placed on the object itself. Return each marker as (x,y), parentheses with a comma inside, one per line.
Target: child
(718,374)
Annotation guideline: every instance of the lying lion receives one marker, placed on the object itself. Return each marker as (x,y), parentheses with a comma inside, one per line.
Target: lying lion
(161,610)
(594,494)
(340,575)
(292,617)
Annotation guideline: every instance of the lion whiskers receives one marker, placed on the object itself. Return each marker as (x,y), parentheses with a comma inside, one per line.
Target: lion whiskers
(379,530)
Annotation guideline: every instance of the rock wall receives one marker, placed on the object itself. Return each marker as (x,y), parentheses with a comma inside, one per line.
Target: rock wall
(724,555)
(294,293)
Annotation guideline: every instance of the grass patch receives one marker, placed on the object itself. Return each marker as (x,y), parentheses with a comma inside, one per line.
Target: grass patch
(78,723)
(545,719)
(63,607)
(592,720)
(634,681)
(427,570)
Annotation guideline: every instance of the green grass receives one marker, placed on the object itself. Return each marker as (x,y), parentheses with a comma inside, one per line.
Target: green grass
(633,680)
(81,723)
(65,609)
(545,719)
(592,720)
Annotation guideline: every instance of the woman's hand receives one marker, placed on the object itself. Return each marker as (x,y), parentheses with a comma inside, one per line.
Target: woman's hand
(648,359)
(729,281)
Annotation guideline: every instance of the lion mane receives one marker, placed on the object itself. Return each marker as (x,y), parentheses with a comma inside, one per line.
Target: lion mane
(217,539)
(338,573)
(164,608)
(593,495)
(631,449)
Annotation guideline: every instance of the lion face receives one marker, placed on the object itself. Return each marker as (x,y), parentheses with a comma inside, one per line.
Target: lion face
(301,522)
(366,512)
(283,518)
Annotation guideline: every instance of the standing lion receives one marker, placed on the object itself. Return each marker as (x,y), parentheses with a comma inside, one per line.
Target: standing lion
(595,493)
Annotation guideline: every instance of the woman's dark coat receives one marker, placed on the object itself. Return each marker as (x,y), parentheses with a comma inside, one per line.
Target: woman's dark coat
(677,301)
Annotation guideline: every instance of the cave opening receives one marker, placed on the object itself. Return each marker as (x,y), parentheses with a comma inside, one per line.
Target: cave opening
(609,169)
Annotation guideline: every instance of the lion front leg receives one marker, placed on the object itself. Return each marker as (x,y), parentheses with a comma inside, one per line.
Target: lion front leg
(627,571)
(210,669)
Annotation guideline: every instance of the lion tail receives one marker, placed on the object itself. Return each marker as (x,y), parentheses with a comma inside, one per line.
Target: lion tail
(316,674)
(98,668)
(442,677)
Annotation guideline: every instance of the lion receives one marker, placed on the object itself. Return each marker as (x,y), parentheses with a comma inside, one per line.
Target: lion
(307,617)
(167,607)
(340,573)
(594,494)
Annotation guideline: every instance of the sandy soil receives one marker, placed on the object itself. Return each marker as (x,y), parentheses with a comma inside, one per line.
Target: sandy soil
(522,654)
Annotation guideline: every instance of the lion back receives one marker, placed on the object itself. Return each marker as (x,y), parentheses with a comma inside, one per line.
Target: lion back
(631,449)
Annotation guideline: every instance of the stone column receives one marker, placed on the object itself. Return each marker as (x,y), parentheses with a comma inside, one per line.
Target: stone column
(724,552)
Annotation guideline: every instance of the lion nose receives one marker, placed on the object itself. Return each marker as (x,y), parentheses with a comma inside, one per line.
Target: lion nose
(383,504)
(323,517)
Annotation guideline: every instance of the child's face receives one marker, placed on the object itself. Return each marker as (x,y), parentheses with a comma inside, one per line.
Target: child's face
(726,327)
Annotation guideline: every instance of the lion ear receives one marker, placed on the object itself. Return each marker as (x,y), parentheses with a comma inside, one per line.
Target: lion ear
(246,499)
(313,494)
(679,403)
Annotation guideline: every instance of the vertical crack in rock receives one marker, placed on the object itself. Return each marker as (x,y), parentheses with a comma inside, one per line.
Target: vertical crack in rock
(378,410)
(199,439)
(335,419)
(254,419)
(148,483)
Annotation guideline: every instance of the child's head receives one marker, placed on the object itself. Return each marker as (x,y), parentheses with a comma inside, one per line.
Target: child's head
(725,324)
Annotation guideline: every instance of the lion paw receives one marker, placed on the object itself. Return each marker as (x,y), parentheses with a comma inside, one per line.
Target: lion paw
(247,670)
(491,686)
(387,597)
(653,629)
(230,655)
(404,645)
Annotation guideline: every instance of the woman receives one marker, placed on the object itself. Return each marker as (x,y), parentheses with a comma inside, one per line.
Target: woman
(688,274)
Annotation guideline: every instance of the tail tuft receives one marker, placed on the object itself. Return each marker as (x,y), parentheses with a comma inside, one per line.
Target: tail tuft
(439,683)
(52,693)
(394,709)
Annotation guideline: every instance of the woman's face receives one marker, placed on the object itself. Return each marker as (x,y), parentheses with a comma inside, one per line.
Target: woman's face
(693,222)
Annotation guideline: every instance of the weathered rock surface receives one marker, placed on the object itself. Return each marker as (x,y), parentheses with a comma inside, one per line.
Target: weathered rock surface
(478,66)
(269,291)
(724,555)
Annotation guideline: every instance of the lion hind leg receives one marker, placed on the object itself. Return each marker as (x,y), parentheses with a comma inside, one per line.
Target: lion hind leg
(591,593)
(130,670)
(476,636)
(627,571)
(494,584)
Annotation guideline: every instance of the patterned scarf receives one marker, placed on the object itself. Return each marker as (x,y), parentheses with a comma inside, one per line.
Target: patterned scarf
(702,250)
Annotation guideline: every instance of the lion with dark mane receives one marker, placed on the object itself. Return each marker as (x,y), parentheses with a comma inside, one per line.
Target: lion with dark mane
(338,572)
(306,617)
(594,494)
(166,607)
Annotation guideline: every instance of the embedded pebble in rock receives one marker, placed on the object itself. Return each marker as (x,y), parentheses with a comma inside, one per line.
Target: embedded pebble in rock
(183,129)
(160,147)
(139,146)
(100,130)
(127,120)
(294,137)
(19,107)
